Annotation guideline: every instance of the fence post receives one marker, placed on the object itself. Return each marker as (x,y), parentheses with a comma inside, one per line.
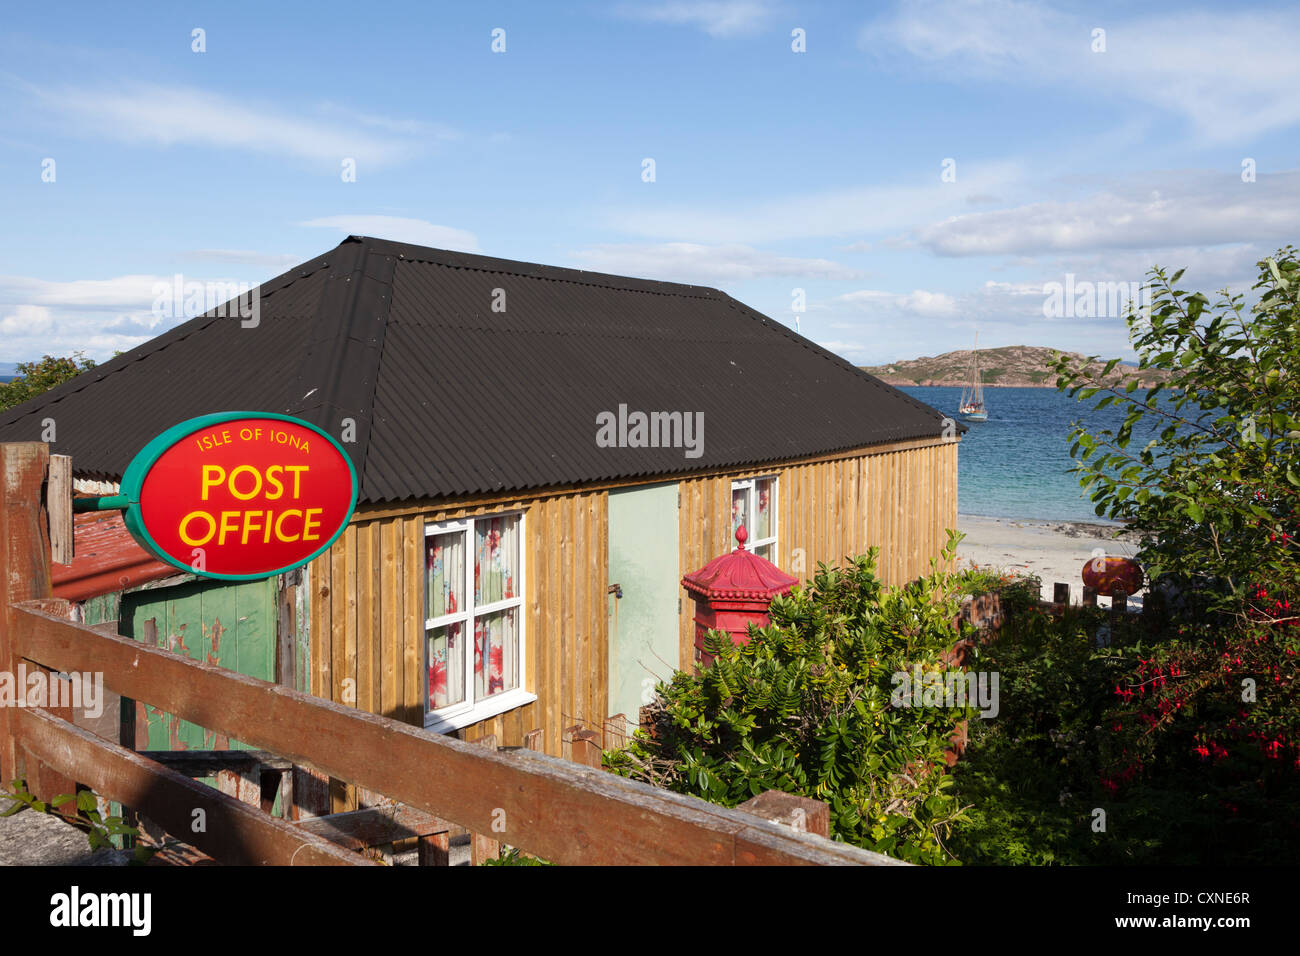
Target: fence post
(24,565)
(799,813)
(1118,606)
(1060,593)
(482,846)
(586,748)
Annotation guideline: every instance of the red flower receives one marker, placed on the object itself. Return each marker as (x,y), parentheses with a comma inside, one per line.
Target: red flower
(437,680)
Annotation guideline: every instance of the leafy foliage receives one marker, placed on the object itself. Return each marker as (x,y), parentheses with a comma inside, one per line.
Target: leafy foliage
(513,856)
(1185,729)
(1066,744)
(99,829)
(805,708)
(1217,495)
(35,378)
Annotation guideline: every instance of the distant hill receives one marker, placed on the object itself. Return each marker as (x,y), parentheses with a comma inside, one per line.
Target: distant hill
(1012,366)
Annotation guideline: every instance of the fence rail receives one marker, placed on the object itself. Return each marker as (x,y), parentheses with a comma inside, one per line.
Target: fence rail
(554,809)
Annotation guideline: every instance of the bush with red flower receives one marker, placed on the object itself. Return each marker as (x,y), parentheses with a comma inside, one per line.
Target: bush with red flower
(1210,697)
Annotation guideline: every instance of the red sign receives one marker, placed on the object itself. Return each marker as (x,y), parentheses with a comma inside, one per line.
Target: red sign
(240,495)
(1112,573)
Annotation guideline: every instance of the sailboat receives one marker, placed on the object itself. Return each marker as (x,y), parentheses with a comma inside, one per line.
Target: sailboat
(972,406)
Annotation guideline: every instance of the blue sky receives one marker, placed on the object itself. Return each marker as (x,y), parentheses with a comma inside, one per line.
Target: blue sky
(775,170)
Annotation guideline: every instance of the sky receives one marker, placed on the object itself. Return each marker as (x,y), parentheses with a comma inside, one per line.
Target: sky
(887,178)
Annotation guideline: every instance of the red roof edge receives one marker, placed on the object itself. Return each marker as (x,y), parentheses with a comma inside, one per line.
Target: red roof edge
(106,559)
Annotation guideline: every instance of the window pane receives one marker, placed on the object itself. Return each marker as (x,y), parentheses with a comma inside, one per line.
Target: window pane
(763,510)
(766,551)
(446,666)
(496,559)
(496,653)
(445,580)
(738,501)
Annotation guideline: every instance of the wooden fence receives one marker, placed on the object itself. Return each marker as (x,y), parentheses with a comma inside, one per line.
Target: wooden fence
(558,810)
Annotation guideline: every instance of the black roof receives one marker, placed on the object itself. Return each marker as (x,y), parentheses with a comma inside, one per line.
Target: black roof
(453,398)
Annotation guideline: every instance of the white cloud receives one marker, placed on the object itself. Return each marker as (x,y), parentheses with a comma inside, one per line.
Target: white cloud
(150,115)
(1230,73)
(718,18)
(1208,269)
(98,316)
(26,320)
(1201,209)
(919,302)
(398,229)
(693,262)
(832,213)
(123,292)
(1013,288)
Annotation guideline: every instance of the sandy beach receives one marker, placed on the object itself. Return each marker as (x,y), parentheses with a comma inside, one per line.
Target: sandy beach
(1053,550)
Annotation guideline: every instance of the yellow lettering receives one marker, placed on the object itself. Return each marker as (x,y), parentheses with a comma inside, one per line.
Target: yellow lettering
(297,478)
(308,524)
(249,517)
(185,524)
(208,480)
(257,488)
(272,478)
(279,530)
(221,537)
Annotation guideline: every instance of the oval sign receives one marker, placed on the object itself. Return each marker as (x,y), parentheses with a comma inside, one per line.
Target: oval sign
(239,495)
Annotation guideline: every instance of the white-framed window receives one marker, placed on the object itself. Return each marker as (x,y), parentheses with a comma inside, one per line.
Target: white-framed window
(474,619)
(753,504)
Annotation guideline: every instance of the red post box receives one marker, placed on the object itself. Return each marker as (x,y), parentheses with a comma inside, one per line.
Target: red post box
(733,591)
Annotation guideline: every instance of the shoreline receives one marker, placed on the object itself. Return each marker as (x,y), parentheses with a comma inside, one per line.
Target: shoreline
(1056,551)
(1064,525)
(986,385)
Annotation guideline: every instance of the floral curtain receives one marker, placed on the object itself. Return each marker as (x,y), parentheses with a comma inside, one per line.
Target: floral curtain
(763,511)
(445,580)
(495,635)
(496,653)
(446,666)
(496,559)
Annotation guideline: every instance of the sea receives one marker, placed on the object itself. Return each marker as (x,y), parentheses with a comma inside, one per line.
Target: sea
(1016,465)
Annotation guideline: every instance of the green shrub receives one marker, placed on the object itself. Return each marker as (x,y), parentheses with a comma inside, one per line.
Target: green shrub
(36,378)
(1076,734)
(805,708)
(1205,722)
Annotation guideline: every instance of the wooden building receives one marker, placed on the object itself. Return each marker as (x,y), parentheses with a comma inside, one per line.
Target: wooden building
(543,453)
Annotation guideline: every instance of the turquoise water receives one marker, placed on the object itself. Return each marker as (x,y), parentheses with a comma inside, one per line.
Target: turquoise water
(1015,464)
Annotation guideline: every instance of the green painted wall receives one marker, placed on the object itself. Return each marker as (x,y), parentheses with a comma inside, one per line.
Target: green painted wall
(643,623)
(231,624)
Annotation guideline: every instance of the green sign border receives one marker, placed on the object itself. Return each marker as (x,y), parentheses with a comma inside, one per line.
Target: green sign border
(136,472)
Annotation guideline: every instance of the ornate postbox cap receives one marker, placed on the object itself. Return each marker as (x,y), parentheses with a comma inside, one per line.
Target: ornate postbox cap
(739,575)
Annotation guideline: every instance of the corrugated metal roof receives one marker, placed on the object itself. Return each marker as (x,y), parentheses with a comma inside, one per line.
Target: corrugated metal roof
(452,397)
(106,559)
